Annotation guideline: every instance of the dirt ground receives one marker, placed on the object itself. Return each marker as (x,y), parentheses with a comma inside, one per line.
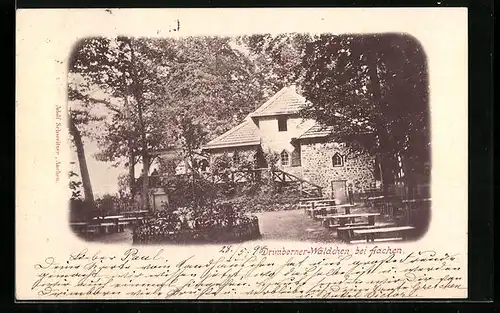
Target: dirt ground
(293,225)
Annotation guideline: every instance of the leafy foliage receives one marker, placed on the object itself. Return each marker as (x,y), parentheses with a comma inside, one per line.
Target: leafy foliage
(277,59)
(183,190)
(374,86)
(150,95)
(129,74)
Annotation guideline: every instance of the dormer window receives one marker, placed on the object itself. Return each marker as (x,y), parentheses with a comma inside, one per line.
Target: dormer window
(285,158)
(282,124)
(337,160)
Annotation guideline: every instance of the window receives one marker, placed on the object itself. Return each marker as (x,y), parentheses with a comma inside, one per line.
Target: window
(296,156)
(285,158)
(337,160)
(282,127)
(236,158)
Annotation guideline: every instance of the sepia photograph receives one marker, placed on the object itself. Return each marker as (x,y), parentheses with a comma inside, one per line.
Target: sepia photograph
(302,137)
(196,154)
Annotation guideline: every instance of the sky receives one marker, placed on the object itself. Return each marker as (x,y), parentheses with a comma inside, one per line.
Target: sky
(103,176)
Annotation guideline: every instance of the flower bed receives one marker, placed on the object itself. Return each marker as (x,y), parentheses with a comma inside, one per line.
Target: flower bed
(212,226)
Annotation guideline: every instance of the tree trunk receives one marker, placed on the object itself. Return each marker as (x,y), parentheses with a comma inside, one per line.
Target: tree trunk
(193,182)
(84,172)
(409,179)
(131,169)
(375,90)
(131,156)
(383,175)
(137,93)
(145,181)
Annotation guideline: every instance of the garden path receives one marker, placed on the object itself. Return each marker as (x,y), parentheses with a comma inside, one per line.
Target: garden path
(293,225)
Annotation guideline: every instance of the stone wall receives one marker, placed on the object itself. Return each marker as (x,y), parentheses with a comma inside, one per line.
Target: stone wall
(317,167)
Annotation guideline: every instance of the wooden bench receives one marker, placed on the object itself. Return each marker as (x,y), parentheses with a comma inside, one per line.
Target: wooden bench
(135,213)
(121,225)
(346,232)
(313,209)
(346,207)
(107,227)
(370,234)
(306,205)
(355,224)
(375,201)
(322,211)
(344,219)
(311,199)
(418,200)
(325,212)
(317,206)
(131,220)
(326,202)
(128,219)
(78,226)
(92,229)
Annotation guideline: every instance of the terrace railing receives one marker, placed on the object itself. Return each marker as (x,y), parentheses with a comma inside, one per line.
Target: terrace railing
(306,188)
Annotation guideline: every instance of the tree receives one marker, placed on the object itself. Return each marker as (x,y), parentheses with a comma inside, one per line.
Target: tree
(149,82)
(277,59)
(129,73)
(77,140)
(191,136)
(74,186)
(78,209)
(78,117)
(212,81)
(373,90)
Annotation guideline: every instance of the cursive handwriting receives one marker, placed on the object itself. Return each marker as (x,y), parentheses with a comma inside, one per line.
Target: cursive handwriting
(241,272)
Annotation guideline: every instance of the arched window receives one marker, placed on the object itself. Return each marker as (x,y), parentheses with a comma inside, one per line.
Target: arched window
(285,158)
(337,160)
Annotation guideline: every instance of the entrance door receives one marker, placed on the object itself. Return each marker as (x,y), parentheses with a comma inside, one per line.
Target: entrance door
(339,191)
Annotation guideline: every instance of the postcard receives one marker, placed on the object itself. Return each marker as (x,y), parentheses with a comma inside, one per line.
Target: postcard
(312,153)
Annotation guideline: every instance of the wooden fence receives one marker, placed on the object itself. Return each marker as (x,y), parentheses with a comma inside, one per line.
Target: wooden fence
(233,177)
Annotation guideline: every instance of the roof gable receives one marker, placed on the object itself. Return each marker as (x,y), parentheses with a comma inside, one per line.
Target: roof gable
(244,134)
(322,131)
(317,131)
(285,101)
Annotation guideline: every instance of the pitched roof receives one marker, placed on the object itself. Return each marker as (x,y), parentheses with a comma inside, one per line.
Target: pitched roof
(317,131)
(321,131)
(285,101)
(244,134)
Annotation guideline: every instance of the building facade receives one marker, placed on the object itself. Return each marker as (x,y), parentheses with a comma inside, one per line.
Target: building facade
(298,146)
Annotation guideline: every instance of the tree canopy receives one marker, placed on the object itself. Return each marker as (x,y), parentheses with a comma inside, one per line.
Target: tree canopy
(372,85)
(157,94)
